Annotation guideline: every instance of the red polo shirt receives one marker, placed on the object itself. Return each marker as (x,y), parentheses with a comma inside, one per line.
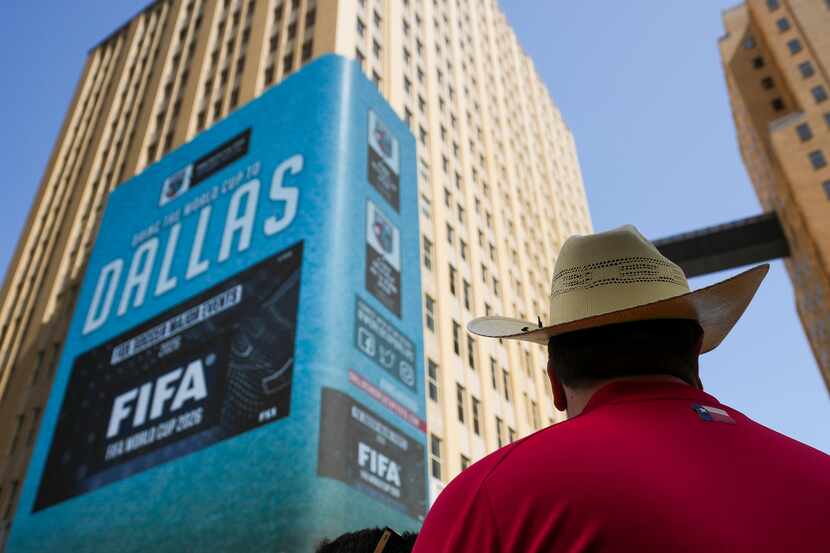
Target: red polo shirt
(646,467)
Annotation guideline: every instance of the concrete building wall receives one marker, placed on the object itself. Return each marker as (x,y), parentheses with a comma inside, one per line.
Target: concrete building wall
(500,188)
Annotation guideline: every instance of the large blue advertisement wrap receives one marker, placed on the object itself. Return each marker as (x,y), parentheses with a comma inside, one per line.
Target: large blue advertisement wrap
(243,370)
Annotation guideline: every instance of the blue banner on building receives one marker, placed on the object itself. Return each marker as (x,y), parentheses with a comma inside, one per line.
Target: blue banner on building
(243,370)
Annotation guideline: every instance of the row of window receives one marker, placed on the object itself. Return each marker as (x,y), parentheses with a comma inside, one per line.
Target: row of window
(436,445)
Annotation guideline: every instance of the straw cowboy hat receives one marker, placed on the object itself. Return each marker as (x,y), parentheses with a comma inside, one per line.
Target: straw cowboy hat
(617,277)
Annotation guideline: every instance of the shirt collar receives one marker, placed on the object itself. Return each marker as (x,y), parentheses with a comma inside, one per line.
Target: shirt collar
(638,390)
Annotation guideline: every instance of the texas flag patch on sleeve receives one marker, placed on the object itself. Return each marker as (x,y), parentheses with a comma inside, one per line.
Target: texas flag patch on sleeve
(712,414)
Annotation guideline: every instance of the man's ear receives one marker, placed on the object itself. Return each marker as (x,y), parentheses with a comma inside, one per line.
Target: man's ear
(560,401)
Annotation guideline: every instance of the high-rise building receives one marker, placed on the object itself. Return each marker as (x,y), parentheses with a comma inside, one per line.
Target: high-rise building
(499,185)
(776,56)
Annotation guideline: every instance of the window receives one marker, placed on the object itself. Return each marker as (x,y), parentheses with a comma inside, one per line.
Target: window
(826,185)
(361,27)
(511,434)
(471,352)
(767,83)
(794,45)
(432,379)
(435,456)
(11,500)
(33,428)
(506,382)
(456,338)
(783,24)
(306,54)
(376,49)
(499,431)
(427,253)
(806,69)
(465,462)
(466,286)
(287,63)
(429,305)
(757,62)
(803,131)
(453,274)
(827,119)
(459,400)
(772,5)
(534,410)
(817,159)
(749,42)
(777,104)
(819,94)
(462,246)
(17,428)
(476,405)
(450,234)
(493,378)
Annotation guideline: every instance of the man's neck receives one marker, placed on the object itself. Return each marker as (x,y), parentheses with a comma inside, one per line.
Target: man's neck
(579,398)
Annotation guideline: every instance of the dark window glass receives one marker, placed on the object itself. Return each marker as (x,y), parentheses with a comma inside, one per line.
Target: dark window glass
(794,45)
(757,62)
(826,185)
(767,82)
(476,417)
(306,51)
(817,159)
(778,104)
(432,373)
(806,69)
(803,131)
(749,42)
(772,5)
(819,93)
(783,24)
(827,119)
(287,63)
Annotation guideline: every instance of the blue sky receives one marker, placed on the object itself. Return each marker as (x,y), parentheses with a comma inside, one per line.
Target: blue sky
(639,84)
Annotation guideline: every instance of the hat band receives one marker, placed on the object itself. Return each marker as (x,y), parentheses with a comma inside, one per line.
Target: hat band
(621,271)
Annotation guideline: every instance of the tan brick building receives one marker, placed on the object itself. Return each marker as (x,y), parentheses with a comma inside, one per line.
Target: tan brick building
(776,57)
(500,188)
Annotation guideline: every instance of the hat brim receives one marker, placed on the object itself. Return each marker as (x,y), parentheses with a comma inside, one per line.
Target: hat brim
(716,308)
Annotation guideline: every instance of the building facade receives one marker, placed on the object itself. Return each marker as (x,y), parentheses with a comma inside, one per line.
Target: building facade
(776,57)
(499,185)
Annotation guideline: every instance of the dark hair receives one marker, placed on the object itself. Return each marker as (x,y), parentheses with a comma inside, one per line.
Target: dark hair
(365,541)
(656,347)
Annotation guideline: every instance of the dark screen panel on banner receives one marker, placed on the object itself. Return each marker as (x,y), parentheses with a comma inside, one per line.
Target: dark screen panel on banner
(204,371)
